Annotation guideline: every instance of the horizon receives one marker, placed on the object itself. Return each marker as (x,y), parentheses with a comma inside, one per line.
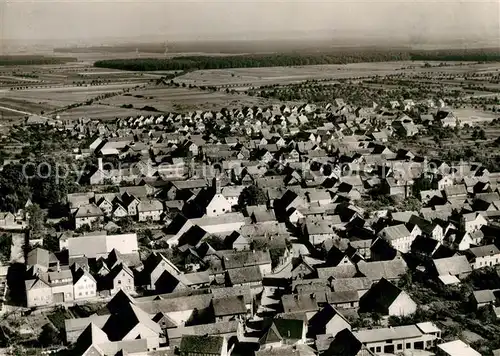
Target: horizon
(417,22)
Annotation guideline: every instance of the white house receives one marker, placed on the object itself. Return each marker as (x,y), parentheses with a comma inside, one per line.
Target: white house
(84,285)
(399,237)
(483,256)
(473,222)
(218,205)
(149,209)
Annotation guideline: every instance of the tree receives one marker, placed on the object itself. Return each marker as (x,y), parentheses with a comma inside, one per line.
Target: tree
(36,219)
(49,336)
(252,195)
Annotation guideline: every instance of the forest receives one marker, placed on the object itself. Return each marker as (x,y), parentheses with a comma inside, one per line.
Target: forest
(297,59)
(33,60)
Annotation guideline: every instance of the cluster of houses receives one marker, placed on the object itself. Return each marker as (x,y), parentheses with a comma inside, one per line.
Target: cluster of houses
(285,275)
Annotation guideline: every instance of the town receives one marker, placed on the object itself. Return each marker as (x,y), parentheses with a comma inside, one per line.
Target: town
(312,229)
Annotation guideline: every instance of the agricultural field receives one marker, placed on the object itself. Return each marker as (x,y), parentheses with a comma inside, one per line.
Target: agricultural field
(286,75)
(168,99)
(78,89)
(103,112)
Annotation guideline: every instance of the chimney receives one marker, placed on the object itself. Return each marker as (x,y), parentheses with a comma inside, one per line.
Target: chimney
(99,163)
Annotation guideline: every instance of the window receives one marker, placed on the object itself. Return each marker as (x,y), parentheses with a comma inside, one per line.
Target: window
(119,282)
(80,293)
(400,346)
(379,349)
(408,345)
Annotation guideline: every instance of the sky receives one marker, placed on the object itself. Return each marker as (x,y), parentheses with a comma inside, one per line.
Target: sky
(90,20)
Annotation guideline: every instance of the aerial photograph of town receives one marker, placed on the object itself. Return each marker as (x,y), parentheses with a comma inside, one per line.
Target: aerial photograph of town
(250,178)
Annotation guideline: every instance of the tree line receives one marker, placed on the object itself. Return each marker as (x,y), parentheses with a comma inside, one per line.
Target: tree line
(294,59)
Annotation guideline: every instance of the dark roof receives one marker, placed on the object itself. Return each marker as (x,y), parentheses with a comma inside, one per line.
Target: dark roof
(244,275)
(424,245)
(193,236)
(201,344)
(283,329)
(382,250)
(345,344)
(380,296)
(299,303)
(231,305)
(317,324)
(342,297)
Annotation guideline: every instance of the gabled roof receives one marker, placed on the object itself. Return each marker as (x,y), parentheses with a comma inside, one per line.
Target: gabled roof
(40,257)
(244,275)
(231,305)
(383,269)
(283,329)
(88,210)
(346,344)
(381,296)
(452,265)
(395,232)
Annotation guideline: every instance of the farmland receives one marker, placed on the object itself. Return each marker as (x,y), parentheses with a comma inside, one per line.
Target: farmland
(78,89)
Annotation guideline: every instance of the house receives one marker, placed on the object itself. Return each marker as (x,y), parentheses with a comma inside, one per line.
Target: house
(84,284)
(483,298)
(344,343)
(244,276)
(284,332)
(119,278)
(7,220)
(385,298)
(359,284)
(149,210)
(232,194)
(432,230)
(447,118)
(391,270)
(400,339)
(95,246)
(236,241)
(204,345)
(456,348)
(160,274)
(397,187)
(319,231)
(456,266)
(398,236)
(87,215)
(483,256)
(229,308)
(473,222)
(41,260)
(239,259)
(47,288)
(327,321)
(218,205)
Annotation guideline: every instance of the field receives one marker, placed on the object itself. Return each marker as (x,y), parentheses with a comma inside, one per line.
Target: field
(103,112)
(167,99)
(78,89)
(285,75)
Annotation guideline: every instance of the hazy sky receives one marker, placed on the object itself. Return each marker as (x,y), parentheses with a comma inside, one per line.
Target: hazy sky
(210,19)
